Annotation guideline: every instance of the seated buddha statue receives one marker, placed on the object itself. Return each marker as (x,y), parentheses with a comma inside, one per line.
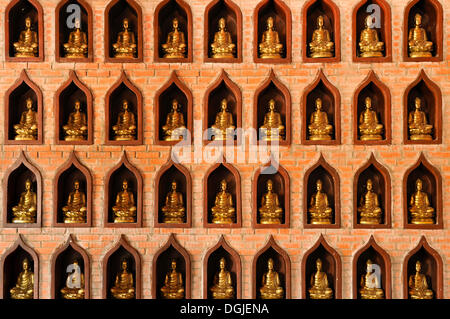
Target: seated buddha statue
(270,211)
(223,126)
(173,284)
(319,128)
(76,128)
(125,129)
(27,45)
(223,211)
(420,209)
(270,46)
(370,284)
(74,288)
(272,128)
(175,128)
(27,129)
(125,209)
(418,44)
(125,47)
(75,210)
(25,283)
(271,287)
(124,284)
(76,46)
(222,46)
(174,210)
(369,207)
(321,45)
(175,46)
(369,127)
(222,285)
(369,44)
(320,288)
(418,285)
(25,211)
(419,129)
(320,212)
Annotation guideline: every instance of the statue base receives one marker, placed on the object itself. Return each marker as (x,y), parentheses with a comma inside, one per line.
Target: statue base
(420,137)
(270,221)
(75,55)
(321,221)
(24,55)
(270,56)
(74,138)
(223,220)
(370,220)
(316,294)
(74,220)
(173,220)
(422,221)
(222,56)
(124,55)
(124,138)
(124,220)
(321,55)
(174,56)
(371,137)
(24,138)
(420,55)
(320,137)
(172,295)
(372,54)
(17,220)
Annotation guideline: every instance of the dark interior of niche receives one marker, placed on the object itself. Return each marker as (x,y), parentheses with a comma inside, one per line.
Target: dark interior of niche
(163,267)
(117,13)
(327,188)
(231,265)
(214,101)
(378,188)
(377,96)
(221,10)
(214,180)
(16,186)
(360,24)
(170,11)
(66,258)
(65,187)
(429,186)
(165,106)
(122,92)
(165,186)
(67,100)
(64,30)
(114,267)
(115,186)
(17,16)
(18,104)
(328,106)
(261,268)
(361,267)
(12,269)
(429,21)
(271,9)
(429,268)
(271,92)
(278,188)
(328,266)
(319,8)
(428,103)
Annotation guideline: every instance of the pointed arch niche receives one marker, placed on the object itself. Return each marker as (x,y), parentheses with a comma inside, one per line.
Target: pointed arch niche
(172,250)
(432,186)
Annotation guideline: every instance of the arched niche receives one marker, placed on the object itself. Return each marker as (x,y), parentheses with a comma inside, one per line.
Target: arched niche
(281,264)
(73,90)
(330,186)
(15,105)
(172,250)
(377,8)
(331,104)
(115,12)
(111,266)
(281,15)
(15,14)
(331,265)
(14,185)
(63,182)
(173,171)
(330,12)
(63,16)
(174,88)
(64,256)
(432,186)
(381,103)
(381,186)
(228,10)
(165,12)
(113,185)
(378,256)
(211,266)
(432,268)
(432,21)
(123,89)
(11,267)
(431,102)
(272,88)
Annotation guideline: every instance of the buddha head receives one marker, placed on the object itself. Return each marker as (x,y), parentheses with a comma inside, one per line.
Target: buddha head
(125,24)
(125,185)
(77,24)
(369,22)
(368,103)
(125,105)
(124,264)
(418,266)
(77,105)
(318,103)
(270,264)
(222,263)
(29,103)
(369,265)
(25,264)
(320,22)
(417,103)
(271,105)
(173,264)
(419,184)
(222,24)
(369,185)
(418,19)
(319,264)
(319,185)
(28,22)
(269,23)
(175,24)
(28,185)
(223,185)
(175,105)
(269,185)
(76,185)
(174,185)
(223,105)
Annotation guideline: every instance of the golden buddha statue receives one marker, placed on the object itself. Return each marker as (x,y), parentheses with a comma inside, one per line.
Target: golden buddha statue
(369,127)
(419,129)
(25,211)
(223,127)
(175,47)
(369,44)
(124,210)
(75,210)
(273,128)
(76,46)
(25,283)
(270,211)
(27,45)
(321,45)
(369,207)
(319,128)
(173,284)
(270,46)
(175,128)
(76,128)
(418,44)
(418,285)
(320,288)
(222,47)
(124,284)
(74,288)
(174,211)
(125,47)
(27,129)
(421,211)
(370,284)
(223,211)
(271,287)
(223,285)
(319,210)
(125,129)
